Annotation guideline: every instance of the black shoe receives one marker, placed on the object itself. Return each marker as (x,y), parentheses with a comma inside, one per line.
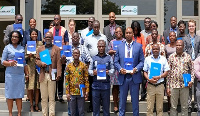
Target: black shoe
(195,109)
(189,110)
(142,99)
(61,100)
(89,110)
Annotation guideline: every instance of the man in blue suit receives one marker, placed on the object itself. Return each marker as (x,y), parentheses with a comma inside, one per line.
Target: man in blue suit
(129,80)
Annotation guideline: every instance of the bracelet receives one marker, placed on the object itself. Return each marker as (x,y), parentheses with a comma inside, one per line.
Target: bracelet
(160,77)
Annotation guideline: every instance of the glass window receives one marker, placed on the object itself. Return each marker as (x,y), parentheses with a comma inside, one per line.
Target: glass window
(28,13)
(145,7)
(15,3)
(190,7)
(81,24)
(170,9)
(121,23)
(46,24)
(53,6)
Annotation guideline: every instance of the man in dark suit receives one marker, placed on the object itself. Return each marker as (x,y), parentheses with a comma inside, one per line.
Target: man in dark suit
(129,80)
(173,27)
(9,28)
(109,30)
(192,47)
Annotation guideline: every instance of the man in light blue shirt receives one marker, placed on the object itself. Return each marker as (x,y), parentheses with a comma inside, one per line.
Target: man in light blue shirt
(155,87)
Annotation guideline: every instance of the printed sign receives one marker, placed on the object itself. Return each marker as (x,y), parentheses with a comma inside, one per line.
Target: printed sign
(129,10)
(7,10)
(67,9)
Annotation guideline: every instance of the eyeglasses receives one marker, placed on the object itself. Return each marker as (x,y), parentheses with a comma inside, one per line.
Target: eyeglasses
(19,20)
(56,19)
(15,37)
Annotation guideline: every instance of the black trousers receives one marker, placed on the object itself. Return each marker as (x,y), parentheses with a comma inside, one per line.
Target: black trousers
(59,84)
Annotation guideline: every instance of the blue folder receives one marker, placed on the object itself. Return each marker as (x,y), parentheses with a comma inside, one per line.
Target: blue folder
(115,44)
(179,38)
(58,41)
(45,31)
(186,79)
(128,65)
(18,27)
(67,51)
(101,72)
(19,57)
(61,53)
(45,57)
(31,47)
(81,89)
(155,70)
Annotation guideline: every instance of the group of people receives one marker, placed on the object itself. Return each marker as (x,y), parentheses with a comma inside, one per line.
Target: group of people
(176,53)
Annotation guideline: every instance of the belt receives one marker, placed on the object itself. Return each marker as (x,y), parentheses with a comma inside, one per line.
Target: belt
(46,71)
(156,83)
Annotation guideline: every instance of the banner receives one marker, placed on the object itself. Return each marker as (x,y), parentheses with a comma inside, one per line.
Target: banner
(129,10)
(7,10)
(67,9)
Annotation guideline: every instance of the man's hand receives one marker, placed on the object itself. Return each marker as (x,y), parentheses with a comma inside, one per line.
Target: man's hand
(123,71)
(86,96)
(44,65)
(63,59)
(153,81)
(107,71)
(168,92)
(156,78)
(190,84)
(26,77)
(13,63)
(111,52)
(57,78)
(134,71)
(94,72)
(68,97)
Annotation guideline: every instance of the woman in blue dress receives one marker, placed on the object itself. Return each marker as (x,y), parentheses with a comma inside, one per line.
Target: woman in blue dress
(14,75)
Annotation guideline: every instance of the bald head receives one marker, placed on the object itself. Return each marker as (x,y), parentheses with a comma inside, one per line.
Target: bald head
(48,38)
(96,27)
(112,17)
(57,20)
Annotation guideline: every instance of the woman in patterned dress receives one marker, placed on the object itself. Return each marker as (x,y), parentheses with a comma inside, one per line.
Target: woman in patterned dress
(33,82)
(114,78)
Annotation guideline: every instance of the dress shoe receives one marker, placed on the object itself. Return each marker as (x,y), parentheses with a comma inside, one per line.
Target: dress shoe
(142,99)
(189,110)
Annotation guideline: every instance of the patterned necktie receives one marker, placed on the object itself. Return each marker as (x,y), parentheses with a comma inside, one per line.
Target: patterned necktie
(129,49)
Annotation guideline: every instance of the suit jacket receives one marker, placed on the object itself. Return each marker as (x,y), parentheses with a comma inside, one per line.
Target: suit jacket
(188,45)
(166,34)
(106,32)
(55,59)
(138,61)
(27,37)
(9,29)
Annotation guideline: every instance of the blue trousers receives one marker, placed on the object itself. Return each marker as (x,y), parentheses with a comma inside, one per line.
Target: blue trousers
(99,95)
(134,90)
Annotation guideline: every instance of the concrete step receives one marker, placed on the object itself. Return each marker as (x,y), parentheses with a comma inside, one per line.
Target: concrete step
(5,113)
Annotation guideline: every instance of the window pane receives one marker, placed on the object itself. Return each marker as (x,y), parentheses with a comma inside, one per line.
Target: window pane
(141,23)
(190,8)
(15,3)
(81,24)
(170,9)
(145,7)
(121,23)
(46,24)
(53,6)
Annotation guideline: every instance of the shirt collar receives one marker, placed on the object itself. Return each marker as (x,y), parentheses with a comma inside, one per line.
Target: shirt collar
(102,56)
(182,55)
(97,35)
(77,46)
(114,24)
(173,29)
(155,58)
(130,43)
(191,36)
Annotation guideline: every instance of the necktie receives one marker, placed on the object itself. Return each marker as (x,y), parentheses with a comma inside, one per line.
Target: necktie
(129,48)
(193,54)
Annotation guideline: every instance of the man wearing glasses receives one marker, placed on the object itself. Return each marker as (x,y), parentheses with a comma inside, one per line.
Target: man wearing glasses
(10,28)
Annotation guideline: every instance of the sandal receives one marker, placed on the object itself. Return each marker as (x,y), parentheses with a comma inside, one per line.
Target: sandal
(31,108)
(36,108)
